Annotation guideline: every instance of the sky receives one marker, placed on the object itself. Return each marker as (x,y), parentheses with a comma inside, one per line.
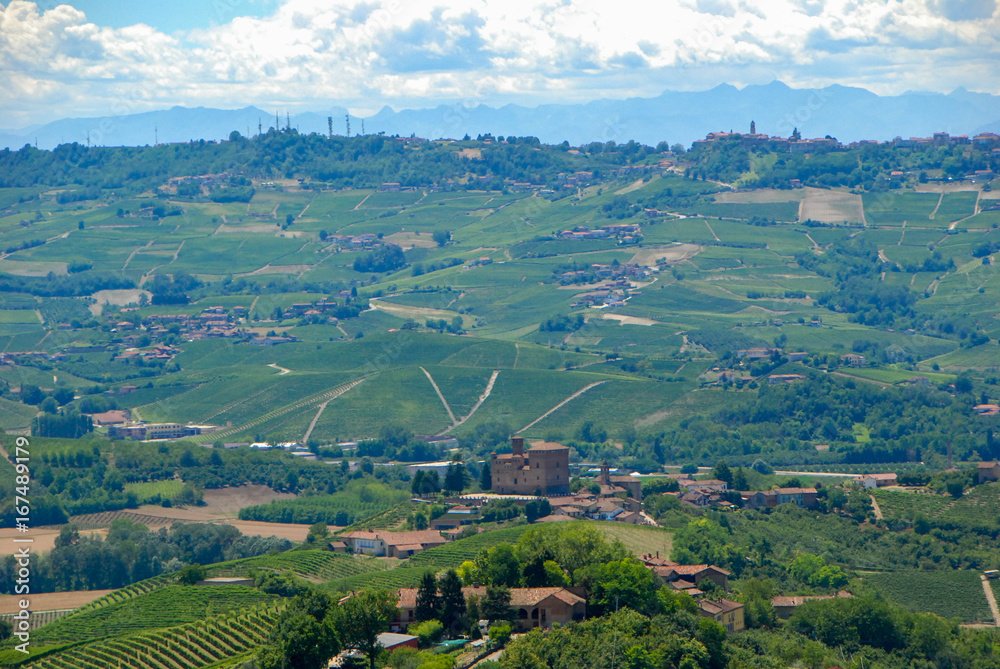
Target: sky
(112,57)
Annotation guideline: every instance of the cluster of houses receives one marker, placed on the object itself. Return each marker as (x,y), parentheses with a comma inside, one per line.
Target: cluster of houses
(605,272)
(753,139)
(544,607)
(158,352)
(625,233)
(614,294)
(716,493)
(356,242)
(212,322)
(984,141)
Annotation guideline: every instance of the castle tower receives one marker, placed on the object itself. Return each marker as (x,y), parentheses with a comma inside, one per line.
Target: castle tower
(517,445)
(753,128)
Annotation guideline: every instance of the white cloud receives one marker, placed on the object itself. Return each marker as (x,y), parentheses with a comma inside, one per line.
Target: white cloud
(314,53)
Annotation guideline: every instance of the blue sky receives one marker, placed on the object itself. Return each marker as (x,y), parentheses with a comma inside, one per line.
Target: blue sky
(109,57)
(173,16)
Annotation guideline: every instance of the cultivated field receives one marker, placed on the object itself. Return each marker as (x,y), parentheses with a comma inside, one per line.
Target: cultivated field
(831,206)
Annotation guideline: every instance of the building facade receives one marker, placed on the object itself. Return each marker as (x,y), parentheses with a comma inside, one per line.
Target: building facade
(543,469)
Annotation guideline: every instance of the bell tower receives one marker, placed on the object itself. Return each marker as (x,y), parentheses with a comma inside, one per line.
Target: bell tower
(753,128)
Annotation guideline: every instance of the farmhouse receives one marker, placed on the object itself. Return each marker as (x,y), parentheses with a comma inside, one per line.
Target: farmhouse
(853,360)
(875,480)
(113,417)
(534,607)
(686,576)
(382,543)
(762,499)
(543,469)
(726,612)
(784,606)
(987,471)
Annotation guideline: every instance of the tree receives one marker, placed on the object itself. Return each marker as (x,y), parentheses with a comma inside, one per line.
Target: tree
(500,635)
(536,509)
(452,600)
(68,536)
(456,478)
(740,480)
(299,641)
(495,606)
(723,473)
(499,566)
(619,583)
(428,601)
(712,636)
(441,237)
(317,533)
(486,476)
(428,632)
(363,617)
(6,630)
(191,574)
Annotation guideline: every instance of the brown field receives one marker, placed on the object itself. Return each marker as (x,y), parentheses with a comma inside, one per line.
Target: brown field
(120,298)
(32,267)
(221,506)
(831,206)
(261,228)
(950,187)
(635,185)
(290,531)
(278,269)
(416,313)
(44,539)
(52,600)
(761,196)
(628,320)
(673,253)
(409,240)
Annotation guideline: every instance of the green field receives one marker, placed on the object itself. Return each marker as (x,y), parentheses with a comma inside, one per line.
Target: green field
(188,646)
(166,607)
(148,491)
(950,594)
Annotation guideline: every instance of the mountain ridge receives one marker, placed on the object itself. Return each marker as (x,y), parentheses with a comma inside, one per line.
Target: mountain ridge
(849,113)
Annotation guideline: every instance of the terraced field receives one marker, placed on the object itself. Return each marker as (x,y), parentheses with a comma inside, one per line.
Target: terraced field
(316,565)
(182,647)
(165,607)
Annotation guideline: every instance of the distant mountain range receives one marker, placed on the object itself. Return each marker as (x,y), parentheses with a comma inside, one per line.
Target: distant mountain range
(846,113)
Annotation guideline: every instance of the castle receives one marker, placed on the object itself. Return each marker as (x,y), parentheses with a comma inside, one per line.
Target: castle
(544,469)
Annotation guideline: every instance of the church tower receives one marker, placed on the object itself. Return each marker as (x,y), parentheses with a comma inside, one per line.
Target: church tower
(753,128)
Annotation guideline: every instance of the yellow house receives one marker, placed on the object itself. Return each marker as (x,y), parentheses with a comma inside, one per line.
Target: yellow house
(726,612)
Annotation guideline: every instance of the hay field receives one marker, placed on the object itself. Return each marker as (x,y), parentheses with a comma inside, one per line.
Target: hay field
(831,206)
